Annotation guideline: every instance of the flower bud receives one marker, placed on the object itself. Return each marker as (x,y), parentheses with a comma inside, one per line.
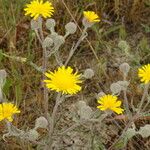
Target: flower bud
(41,122)
(71,27)
(88,73)
(32,135)
(84,111)
(123,84)
(50,24)
(59,40)
(115,88)
(124,68)
(47,42)
(100,94)
(144,131)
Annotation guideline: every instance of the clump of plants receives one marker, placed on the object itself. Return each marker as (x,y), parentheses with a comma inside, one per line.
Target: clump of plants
(67,82)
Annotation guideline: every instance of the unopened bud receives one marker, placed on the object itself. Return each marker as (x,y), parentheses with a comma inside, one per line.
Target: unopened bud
(59,40)
(33,135)
(41,122)
(47,42)
(115,88)
(88,73)
(50,24)
(85,112)
(124,68)
(144,131)
(100,94)
(123,84)
(71,27)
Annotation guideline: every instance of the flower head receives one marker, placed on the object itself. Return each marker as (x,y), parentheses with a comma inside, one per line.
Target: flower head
(63,80)
(110,102)
(91,16)
(38,8)
(144,73)
(7,110)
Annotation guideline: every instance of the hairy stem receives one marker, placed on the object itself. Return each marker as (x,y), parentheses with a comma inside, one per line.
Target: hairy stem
(58,59)
(143,97)
(45,60)
(59,99)
(38,36)
(126,104)
(44,68)
(54,112)
(73,49)
(148,102)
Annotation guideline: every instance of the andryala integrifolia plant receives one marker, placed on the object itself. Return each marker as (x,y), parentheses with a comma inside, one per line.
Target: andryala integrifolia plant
(67,82)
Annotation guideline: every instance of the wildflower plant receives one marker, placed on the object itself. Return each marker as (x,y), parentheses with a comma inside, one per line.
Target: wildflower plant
(110,102)
(91,16)
(144,73)
(65,82)
(38,8)
(62,80)
(7,110)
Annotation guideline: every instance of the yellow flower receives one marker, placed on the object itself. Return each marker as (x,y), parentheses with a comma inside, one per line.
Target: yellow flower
(110,102)
(38,8)
(7,110)
(63,80)
(144,73)
(91,16)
